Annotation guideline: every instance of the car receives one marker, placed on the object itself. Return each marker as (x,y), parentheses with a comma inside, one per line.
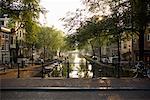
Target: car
(113,60)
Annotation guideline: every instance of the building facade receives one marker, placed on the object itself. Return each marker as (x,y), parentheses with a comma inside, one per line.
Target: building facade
(146,46)
(9,40)
(5,45)
(4,39)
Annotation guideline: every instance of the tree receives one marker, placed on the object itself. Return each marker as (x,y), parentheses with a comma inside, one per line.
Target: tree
(24,12)
(51,40)
(73,20)
(11,23)
(70,42)
(126,16)
(141,15)
(138,11)
(32,29)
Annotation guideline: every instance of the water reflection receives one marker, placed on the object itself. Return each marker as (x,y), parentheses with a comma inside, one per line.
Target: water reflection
(74,73)
(78,67)
(81,68)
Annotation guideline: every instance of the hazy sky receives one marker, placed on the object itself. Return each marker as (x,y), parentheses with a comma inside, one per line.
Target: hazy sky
(57,9)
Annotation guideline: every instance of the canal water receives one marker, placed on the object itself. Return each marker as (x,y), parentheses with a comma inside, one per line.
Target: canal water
(80,68)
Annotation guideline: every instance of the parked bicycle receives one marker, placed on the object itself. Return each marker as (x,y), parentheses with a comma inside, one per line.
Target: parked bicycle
(139,69)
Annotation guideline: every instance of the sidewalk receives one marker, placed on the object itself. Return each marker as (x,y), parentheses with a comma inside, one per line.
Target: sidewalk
(25,72)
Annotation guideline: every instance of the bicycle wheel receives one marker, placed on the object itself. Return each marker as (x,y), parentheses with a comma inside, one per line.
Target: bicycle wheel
(148,73)
(134,73)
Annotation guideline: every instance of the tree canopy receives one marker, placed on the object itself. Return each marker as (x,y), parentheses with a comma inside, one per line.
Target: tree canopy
(137,12)
(50,39)
(119,17)
(24,12)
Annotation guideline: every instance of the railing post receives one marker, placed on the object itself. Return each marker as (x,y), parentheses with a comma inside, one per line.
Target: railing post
(42,68)
(68,69)
(18,75)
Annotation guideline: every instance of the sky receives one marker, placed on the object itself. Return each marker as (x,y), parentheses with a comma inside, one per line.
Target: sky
(56,10)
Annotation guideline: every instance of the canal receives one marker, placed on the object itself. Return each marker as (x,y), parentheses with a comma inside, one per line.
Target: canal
(77,65)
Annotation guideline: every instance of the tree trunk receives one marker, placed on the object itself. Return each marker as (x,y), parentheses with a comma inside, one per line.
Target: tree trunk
(142,20)
(92,49)
(141,45)
(119,58)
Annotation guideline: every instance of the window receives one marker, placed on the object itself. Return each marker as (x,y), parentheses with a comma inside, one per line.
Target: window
(6,36)
(3,47)
(20,33)
(129,46)
(148,37)
(125,46)
(11,40)
(3,36)
(1,23)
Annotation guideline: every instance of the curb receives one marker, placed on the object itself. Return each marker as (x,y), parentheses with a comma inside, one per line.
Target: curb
(73,89)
